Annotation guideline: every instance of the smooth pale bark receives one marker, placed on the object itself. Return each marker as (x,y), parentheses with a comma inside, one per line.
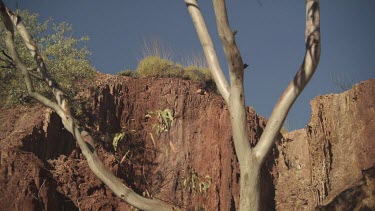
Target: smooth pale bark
(208,48)
(249,174)
(62,108)
(299,82)
(251,160)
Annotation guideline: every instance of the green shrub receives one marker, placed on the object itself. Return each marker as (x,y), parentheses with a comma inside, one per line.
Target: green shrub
(153,66)
(128,73)
(198,75)
(172,71)
(66,58)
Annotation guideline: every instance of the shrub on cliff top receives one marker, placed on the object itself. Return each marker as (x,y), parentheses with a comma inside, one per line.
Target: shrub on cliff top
(197,74)
(154,66)
(128,73)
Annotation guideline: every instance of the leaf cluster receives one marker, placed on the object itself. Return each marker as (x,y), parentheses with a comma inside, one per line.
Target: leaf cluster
(194,183)
(65,56)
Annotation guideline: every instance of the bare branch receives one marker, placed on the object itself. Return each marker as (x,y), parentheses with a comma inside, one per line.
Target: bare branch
(36,76)
(236,73)
(8,61)
(6,55)
(208,48)
(63,110)
(296,86)
(7,66)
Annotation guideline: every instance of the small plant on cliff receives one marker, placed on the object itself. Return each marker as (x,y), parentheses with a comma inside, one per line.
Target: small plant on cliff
(157,63)
(117,137)
(194,183)
(128,73)
(164,120)
(196,74)
(165,117)
(153,66)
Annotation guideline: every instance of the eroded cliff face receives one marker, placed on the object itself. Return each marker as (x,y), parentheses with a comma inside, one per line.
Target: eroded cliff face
(330,165)
(176,145)
(194,157)
(187,159)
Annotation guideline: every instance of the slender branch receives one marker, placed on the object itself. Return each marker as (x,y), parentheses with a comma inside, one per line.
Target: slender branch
(6,55)
(236,73)
(63,110)
(208,48)
(9,61)
(36,76)
(7,67)
(296,86)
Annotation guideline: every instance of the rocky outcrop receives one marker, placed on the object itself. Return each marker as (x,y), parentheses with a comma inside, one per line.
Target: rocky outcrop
(292,174)
(26,182)
(186,159)
(194,157)
(175,144)
(331,163)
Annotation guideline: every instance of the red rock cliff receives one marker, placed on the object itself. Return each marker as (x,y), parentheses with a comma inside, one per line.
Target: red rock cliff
(330,165)
(189,162)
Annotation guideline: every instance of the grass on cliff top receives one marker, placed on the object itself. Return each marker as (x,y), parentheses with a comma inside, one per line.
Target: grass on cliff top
(155,66)
(157,62)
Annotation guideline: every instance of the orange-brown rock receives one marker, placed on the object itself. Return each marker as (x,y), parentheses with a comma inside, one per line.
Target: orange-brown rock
(190,163)
(330,165)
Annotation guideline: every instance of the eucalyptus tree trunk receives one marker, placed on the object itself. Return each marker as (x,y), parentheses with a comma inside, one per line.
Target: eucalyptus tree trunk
(251,159)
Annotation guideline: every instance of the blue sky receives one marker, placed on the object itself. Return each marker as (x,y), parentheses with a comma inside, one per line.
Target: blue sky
(270,37)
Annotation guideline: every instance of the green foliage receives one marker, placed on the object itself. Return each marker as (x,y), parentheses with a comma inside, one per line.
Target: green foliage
(164,121)
(196,74)
(154,66)
(156,63)
(118,137)
(194,183)
(166,117)
(66,58)
(128,73)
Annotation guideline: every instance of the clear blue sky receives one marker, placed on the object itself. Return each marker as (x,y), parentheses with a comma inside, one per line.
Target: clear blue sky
(270,37)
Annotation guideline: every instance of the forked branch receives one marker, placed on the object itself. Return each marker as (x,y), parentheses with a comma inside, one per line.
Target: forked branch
(236,74)
(296,86)
(61,107)
(208,48)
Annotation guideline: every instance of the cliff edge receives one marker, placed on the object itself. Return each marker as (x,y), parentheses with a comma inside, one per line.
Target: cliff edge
(330,164)
(168,139)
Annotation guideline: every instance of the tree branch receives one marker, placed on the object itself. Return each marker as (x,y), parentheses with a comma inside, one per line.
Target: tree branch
(36,76)
(208,48)
(63,110)
(296,86)
(236,73)
(6,55)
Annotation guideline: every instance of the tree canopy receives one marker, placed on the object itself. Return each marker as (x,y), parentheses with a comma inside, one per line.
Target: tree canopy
(66,57)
